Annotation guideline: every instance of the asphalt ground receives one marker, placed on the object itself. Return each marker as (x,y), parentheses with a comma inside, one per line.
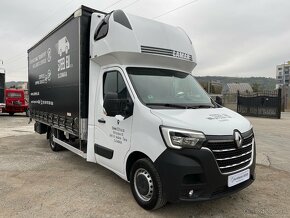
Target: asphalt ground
(273,141)
(36,182)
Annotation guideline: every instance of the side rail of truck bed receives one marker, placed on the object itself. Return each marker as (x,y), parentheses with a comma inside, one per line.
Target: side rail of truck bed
(65,123)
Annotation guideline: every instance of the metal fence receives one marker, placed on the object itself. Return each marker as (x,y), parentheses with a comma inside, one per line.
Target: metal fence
(261,104)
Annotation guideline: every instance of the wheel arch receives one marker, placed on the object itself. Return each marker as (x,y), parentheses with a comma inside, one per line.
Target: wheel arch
(133,157)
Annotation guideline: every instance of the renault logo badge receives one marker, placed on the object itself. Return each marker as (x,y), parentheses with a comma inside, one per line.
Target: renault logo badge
(238,139)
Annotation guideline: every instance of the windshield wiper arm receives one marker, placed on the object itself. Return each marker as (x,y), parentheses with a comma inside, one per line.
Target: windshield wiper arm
(201,106)
(167,105)
(180,106)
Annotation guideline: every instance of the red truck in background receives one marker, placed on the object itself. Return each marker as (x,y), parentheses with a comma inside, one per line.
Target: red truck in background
(15,102)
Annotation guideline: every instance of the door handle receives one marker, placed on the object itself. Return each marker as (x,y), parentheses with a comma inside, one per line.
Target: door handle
(101,120)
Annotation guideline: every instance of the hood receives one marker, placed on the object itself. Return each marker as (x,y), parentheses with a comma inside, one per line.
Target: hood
(210,121)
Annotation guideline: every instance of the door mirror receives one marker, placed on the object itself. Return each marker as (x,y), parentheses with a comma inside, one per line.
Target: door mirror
(128,110)
(115,106)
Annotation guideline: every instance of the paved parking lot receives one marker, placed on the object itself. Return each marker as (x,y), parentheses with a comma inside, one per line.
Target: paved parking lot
(273,138)
(36,182)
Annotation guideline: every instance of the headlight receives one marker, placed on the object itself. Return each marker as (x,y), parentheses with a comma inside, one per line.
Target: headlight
(178,138)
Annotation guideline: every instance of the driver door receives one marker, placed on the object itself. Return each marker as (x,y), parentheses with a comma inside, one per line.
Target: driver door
(112,133)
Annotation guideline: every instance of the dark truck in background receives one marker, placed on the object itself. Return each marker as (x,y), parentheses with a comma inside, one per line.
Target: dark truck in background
(2,86)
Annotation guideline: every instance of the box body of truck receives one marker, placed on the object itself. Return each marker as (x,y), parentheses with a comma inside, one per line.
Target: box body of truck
(59,75)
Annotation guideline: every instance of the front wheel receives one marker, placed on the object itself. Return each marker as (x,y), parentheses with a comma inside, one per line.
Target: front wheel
(11,114)
(146,185)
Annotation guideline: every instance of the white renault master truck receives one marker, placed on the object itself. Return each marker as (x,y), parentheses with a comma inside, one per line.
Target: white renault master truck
(123,95)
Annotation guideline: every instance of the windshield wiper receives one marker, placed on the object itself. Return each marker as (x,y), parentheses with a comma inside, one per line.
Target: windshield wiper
(181,106)
(167,105)
(200,106)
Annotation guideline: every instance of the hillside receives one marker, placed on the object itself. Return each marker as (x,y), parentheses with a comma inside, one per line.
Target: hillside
(262,82)
(14,84)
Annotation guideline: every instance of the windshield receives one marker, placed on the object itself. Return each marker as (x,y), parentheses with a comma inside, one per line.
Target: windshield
(168,88)
(14,94)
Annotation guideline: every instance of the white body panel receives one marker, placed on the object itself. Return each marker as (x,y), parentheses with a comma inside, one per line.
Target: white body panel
(160,35)
(122,45)
(146,136)
(216,121)
(94,77)
(114,134)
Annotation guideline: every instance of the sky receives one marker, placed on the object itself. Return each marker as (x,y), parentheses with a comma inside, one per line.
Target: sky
(241,38)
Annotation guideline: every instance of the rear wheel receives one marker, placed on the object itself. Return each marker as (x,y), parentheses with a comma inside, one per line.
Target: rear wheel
(146,185)
(11,114)
(53,145)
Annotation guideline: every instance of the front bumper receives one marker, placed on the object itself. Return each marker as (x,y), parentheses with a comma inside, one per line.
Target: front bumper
(184,170)
(15,109)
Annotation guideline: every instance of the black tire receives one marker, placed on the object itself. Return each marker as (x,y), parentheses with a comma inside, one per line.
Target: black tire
(146,185)
(27,113)
(54,146)
(11,114)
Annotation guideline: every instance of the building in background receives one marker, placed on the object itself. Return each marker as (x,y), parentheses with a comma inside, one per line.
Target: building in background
(234,88)
(230,92)
(211,87)
(282,75)
(22,86)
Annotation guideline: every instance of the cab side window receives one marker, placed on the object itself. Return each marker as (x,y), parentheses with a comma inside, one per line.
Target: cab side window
(113,82)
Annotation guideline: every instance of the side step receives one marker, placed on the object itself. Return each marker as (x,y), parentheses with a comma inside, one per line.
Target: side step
(71,148)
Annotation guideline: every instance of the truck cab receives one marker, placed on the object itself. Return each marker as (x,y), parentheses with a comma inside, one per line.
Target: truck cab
(15,102)
(152,123)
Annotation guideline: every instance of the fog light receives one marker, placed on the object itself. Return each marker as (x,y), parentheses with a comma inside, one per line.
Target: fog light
(190,193)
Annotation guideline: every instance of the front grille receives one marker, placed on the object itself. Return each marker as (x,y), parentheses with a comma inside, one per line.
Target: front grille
(230,158)
(16,103)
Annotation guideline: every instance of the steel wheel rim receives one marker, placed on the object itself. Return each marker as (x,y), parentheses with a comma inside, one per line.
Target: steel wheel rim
(145,177)
(51,140)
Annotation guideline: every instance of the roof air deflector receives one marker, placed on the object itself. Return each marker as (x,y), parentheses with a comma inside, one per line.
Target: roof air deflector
(121,18)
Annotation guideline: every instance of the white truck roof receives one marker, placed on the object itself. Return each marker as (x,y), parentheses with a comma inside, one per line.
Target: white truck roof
(133,40)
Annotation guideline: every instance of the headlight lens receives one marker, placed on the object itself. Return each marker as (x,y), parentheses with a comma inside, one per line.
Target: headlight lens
(178,138)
